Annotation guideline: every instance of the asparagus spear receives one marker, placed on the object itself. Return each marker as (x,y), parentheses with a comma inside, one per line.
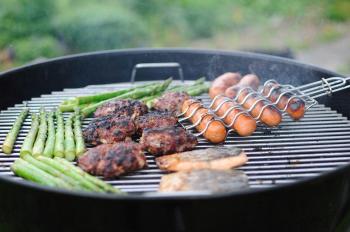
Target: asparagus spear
(104,96)
(99,97)
(79,139)
(30,138)
(92,179)
(198,90)
(12,135)
(39,144)
(135,94)
(71,107)
(69,144)
(147,98)
(200,80)
(28,171)
(59,138)
(184,88)
(50,142)
(68,101)
(67,107)
(54,172)
(81,101)
(68,171)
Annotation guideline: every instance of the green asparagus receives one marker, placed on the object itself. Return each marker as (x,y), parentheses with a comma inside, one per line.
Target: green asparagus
(69,172)
(92,179)
(59,138)
(107,95)
(67,107)
(50,142)
(69,143)
(39,144)
(54,172)
(185,88)
(78,135)
(83,101)
(27,146)
(30,172)
(200,80)
(147,98)
(72,106)
(135,94)
(197,88)
(203,88)
(12,135)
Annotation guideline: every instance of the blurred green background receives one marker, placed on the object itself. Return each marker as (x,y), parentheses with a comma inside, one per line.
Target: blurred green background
(39,29)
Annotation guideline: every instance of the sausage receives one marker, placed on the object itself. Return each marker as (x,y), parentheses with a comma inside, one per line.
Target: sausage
(216,131)
(244,124)
(270,116)
(221,83)
(250,80)
(296,106)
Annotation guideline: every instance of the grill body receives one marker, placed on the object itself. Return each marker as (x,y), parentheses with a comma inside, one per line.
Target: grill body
(315,204)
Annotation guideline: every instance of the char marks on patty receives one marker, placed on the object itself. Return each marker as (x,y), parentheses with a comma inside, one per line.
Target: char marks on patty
(113,160)
(124,107)
(109,129)
(171,102)
(155,119)
(162,141)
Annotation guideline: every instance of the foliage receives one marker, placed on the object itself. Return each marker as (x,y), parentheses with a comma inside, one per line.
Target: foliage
(30,48)
(43,28)
(22,18)
(95,27)
(338,10)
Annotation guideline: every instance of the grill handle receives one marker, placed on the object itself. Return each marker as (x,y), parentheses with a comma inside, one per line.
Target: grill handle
(157,65)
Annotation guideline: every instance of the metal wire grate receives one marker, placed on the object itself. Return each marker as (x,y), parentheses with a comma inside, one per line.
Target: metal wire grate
(294,150)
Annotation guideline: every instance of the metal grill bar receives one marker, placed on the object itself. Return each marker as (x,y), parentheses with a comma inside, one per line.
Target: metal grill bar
(318,143)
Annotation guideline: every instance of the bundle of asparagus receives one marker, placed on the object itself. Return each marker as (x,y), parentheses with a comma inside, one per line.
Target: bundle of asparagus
(147,93)
(43,140)
(59,173)
(88,104)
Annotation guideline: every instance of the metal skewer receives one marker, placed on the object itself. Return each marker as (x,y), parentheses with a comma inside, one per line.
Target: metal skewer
(306,93)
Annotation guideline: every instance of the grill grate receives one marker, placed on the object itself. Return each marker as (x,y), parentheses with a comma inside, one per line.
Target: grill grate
(318,143)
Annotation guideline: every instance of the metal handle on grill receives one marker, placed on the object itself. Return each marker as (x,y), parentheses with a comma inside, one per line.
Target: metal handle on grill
(157,65)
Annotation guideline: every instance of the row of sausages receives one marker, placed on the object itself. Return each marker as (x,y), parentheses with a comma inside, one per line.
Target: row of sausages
(233,97)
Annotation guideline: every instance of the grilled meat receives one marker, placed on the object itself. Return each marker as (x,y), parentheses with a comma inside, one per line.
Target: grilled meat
(218,158)
(171,102)
(204,180)
(112,160)
(154,119)
(162,141)
(130,108)
(109,129)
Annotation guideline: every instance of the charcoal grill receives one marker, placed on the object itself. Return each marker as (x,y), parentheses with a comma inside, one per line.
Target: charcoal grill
(297,171)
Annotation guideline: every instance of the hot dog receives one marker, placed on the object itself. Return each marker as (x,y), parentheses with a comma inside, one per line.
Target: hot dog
(244,124)
(296,106)
(221,83)
(249,80)
(270,115)
(216,131)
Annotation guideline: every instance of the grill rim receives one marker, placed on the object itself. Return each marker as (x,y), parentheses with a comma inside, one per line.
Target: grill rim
(185,50)
(281,187)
